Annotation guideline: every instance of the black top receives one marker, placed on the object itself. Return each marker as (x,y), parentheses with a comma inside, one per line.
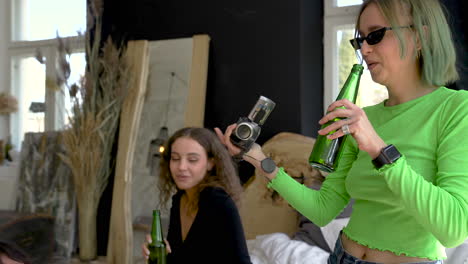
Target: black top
(216,234)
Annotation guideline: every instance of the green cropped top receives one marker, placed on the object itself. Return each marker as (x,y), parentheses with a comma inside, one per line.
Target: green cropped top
(415,206)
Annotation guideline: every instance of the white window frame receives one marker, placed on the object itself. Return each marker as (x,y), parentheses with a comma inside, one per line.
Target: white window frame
(334,17)
(54,100)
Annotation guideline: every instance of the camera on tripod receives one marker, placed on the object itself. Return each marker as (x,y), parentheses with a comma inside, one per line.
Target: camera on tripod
(248,128)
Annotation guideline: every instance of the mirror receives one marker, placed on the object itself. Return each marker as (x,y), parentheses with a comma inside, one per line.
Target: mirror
(174,98)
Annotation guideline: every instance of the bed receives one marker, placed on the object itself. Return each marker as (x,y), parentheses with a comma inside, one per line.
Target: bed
(275,232)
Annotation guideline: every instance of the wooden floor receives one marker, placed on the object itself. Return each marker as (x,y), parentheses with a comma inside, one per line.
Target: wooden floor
(100,260)
(75,260)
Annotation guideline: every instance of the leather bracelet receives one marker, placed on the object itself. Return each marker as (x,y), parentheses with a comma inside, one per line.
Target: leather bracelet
(239,156)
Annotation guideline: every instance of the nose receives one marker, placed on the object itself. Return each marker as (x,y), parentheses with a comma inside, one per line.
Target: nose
(182,164)
(365,48)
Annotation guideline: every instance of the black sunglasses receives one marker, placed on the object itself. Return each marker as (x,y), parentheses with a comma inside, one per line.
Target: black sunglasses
(372,38)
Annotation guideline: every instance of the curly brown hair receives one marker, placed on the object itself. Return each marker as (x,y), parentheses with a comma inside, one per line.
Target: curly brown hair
(222,175)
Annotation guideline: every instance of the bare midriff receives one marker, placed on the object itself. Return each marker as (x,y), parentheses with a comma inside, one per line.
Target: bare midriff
(373,255)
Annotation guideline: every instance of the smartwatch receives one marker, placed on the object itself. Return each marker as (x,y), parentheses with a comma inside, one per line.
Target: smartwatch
(268,165)
(388,155)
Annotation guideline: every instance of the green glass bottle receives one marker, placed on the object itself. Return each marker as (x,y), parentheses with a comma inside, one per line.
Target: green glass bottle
(326,152)
(157,247)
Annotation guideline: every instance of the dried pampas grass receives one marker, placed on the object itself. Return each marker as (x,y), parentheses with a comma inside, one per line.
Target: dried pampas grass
(96,104)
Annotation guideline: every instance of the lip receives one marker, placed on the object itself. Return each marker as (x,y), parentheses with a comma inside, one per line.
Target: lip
(371,65)
(182,177)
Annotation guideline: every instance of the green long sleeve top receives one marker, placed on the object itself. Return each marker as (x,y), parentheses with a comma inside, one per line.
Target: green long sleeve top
(415,206)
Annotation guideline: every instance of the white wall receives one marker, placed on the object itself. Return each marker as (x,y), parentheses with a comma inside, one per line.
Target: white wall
(4,64)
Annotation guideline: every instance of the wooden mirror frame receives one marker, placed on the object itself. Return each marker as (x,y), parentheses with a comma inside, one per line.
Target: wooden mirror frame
(120,244)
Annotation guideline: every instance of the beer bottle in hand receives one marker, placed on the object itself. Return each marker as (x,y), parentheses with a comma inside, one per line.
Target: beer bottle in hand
(326,152)
(157,247)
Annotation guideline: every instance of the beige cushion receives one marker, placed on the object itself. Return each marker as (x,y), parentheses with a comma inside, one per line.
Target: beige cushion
(262,210)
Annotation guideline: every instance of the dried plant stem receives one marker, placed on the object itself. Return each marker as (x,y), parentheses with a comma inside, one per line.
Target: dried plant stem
(87,229)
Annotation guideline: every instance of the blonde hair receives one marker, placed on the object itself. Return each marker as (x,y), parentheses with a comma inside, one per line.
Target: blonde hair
(437,57)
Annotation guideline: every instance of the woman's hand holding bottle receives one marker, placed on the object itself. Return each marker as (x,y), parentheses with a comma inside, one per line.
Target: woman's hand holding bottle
(358,124)
(144,247)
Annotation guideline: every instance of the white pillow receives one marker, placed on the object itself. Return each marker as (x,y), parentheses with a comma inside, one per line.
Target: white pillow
(457,255)
(331,231)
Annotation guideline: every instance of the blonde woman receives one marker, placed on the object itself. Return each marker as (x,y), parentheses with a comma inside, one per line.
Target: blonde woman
(406,165)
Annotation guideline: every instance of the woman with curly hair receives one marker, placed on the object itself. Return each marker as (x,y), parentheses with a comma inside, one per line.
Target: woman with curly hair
(205,225)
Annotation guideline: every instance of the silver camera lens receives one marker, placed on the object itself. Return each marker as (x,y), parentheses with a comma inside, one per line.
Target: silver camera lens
(244,131)
(261,110)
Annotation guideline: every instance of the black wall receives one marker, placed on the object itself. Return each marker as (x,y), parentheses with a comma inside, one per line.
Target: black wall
(258,47)
(457,19)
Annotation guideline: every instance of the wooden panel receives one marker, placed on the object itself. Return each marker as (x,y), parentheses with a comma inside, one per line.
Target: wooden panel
(195,110)
(175,98)
(120,244)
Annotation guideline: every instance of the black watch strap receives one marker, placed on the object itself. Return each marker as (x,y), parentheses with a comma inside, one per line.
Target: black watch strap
(388,155)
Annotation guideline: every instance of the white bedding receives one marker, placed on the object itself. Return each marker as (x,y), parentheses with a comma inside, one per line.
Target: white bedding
(278,248)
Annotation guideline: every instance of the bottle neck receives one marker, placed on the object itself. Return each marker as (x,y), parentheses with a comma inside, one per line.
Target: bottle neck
(350,88)
(156,229)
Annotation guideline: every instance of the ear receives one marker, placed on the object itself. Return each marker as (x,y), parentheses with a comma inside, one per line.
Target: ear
(210,164)
(425,35)
(418,44)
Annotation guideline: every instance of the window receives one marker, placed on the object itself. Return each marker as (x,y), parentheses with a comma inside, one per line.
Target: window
(339,56)
(42,106)
(77,65)
(341,3)
(28,72)
(39,20)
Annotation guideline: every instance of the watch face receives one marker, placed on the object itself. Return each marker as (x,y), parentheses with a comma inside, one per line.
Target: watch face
(268,165)
(388,155)
(391,154)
